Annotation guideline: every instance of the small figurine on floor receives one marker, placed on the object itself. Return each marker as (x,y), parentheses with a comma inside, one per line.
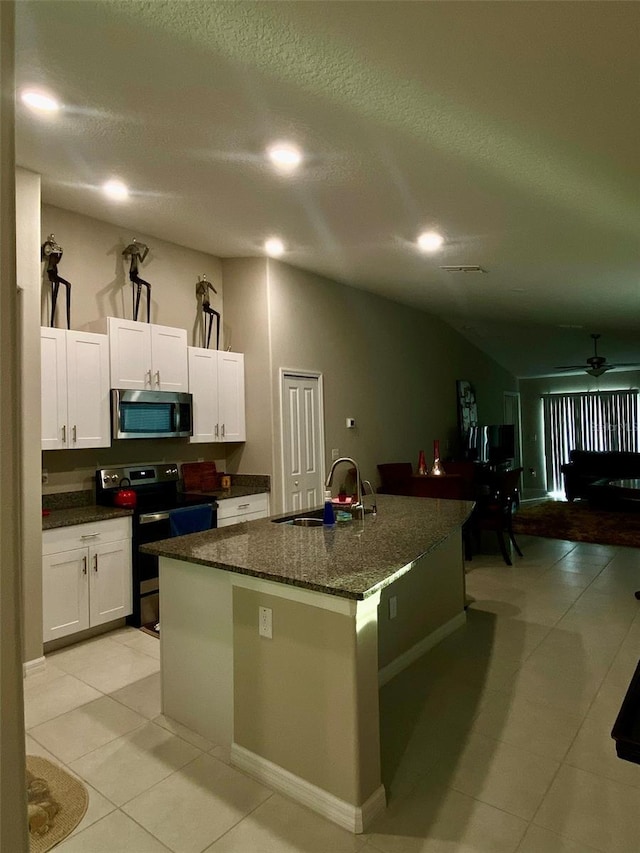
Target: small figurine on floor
(42,808)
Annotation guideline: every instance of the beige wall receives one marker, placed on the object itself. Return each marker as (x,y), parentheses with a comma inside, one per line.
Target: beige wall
(391,367)
(13,827)
(99,275)
(427,597)
(531,390)
(28,278)
(247,330)
(302,682)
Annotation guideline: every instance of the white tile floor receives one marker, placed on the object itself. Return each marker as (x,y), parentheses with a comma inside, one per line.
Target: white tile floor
(497,740)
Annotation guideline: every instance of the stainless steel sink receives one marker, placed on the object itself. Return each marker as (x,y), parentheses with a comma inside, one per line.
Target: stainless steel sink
(307,522)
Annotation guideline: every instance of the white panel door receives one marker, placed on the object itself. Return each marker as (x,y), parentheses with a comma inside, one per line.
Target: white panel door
(203,386)
(88,390)
(169,359)
(302,444)
(231,396)
(65,593)
(54,389)
(110,585)
(130,354)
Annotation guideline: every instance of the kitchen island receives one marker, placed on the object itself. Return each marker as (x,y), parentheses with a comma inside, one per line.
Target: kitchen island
(347,608)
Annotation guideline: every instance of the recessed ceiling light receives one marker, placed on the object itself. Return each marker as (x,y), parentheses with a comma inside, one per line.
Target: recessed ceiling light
(285,157)
(39,101)
(430,241)
(274,247)
(116,190)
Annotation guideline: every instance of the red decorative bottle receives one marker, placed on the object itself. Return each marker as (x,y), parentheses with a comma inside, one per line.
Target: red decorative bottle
(422,464)
(437,470)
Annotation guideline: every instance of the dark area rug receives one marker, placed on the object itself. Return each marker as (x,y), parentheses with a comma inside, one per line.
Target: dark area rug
(578,522)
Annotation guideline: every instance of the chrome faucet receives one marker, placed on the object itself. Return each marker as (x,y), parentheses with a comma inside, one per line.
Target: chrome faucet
(359,504)
(374,508)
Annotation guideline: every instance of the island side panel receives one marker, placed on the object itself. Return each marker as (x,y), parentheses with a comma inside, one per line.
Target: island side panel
(307,700)
(430,602)
(196,655)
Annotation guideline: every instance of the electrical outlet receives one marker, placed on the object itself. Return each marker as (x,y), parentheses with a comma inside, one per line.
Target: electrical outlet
(45,477)
(265,622)
(393,607)
(335,454)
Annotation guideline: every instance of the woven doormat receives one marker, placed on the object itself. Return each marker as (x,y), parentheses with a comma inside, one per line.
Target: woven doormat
(57,803)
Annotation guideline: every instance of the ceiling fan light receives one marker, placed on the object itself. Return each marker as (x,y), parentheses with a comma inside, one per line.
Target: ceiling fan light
(596,371)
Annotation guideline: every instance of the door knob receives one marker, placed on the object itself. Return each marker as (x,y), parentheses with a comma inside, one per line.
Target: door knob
(296,483)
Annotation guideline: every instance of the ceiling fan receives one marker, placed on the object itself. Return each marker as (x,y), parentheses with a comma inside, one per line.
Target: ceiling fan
(596,363)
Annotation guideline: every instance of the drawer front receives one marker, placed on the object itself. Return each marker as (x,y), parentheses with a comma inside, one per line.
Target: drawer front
(241,507)
(83,535)
(236,519)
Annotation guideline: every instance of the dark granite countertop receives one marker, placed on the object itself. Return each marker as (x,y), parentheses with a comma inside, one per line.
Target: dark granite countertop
(352,560)
(233,492)
(81,515)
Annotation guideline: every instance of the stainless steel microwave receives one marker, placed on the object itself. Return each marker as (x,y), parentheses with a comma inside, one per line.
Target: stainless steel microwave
(151,414)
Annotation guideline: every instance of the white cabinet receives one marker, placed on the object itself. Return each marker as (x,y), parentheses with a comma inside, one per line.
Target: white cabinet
(216,382)
(75,389)
(250,508)
(147,357)
(86,576)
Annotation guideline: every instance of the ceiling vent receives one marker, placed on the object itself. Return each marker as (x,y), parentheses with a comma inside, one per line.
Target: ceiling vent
(463,268)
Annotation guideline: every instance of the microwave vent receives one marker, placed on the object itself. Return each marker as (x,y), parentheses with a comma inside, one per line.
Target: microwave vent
(463,268)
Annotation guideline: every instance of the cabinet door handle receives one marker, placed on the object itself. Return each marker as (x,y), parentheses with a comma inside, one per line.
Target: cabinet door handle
(223,430)
(89,535)
(84,565)
(158,378)
(243,506)
(64,433)
(216,432)
(75,433)
(148,377)
(95,562)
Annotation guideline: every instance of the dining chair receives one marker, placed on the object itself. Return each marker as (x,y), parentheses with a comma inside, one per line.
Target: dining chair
(494,510)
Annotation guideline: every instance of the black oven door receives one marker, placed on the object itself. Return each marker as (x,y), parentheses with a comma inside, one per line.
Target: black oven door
(150,526)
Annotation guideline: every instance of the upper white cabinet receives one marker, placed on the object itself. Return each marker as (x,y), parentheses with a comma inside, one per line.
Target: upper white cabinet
(216,381)
(147,357)
(75,389)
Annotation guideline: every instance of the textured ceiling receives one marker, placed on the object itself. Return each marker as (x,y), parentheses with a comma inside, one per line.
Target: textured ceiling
(511,127)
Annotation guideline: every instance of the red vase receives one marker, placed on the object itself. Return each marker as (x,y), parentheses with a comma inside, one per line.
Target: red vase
(437,470)
(422,464)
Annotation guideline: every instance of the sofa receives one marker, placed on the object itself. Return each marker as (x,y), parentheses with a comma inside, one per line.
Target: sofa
(586,467)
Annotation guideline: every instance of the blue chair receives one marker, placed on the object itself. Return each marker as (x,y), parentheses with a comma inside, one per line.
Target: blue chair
(190,519)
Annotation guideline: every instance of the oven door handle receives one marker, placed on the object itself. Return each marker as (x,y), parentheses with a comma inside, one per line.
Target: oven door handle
(150,517)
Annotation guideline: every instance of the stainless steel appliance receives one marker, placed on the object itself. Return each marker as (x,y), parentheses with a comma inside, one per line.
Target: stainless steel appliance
(150,414)
(156,488)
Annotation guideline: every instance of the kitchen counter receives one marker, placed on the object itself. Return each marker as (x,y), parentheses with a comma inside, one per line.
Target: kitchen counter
(352,560)
(275,640)
(81,515)
(233,492)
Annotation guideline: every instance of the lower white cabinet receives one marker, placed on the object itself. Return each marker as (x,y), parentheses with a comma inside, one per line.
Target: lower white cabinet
(86,576)
(233,510)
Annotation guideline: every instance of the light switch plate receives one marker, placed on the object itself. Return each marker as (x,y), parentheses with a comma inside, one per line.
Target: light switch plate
(335,453)
(265,622)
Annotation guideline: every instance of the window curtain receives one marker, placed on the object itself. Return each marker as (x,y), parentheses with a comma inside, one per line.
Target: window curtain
(605,420)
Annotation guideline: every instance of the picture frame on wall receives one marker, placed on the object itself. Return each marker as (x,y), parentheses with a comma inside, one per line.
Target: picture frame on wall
(467,408)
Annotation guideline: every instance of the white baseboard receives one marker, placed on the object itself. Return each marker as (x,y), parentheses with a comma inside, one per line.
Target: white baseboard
(352,818)
(31,667)
(411,655)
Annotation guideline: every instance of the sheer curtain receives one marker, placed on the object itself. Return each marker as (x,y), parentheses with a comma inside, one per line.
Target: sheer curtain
(604,420)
